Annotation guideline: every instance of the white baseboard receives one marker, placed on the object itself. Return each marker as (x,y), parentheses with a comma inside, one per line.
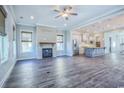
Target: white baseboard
(6,76)
(25,58)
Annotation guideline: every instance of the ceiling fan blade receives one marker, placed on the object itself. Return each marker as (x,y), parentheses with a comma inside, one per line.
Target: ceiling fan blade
(64,9)
(73,14)
(57,16)
(57,10)
(69,7)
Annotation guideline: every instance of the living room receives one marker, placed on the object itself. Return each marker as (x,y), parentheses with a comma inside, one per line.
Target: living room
(65,46)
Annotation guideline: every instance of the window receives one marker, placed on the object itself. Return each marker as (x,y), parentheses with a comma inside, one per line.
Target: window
(3,36)
(60,43)
(3,48)
(26,41)
(2,20)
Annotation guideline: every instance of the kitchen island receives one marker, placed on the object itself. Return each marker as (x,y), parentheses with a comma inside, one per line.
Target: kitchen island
(94,51)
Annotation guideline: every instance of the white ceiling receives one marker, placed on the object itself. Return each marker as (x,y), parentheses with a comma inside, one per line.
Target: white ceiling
(109,24)
(44,15)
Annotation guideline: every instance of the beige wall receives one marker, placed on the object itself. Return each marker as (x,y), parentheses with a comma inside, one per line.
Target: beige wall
(45,34)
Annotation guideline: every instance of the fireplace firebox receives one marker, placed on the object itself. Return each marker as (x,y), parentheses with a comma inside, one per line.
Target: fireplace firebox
(47,52)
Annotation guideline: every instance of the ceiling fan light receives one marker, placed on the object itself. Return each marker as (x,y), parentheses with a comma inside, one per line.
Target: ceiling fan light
(65,15)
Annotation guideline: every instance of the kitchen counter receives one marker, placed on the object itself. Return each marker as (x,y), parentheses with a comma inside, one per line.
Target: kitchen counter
(94,51)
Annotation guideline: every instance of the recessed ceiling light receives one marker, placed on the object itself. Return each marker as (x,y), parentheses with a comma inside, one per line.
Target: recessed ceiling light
(65,24)
(31,17)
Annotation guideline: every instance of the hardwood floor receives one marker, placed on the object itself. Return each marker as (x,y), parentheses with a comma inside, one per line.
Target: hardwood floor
(64,72)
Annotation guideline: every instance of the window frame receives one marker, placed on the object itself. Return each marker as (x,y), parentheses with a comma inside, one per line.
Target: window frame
(26,31)
(60,42)
(3,11)
(4,52)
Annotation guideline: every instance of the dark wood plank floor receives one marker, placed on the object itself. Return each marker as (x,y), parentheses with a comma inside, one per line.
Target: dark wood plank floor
(78,71)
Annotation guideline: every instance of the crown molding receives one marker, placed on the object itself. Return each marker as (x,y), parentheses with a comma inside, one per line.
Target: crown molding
(118,28)
(22,24)
(50,26)
(109,14)
(43,25)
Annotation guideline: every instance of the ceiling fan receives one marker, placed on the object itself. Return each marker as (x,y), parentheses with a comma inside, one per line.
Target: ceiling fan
(65,12)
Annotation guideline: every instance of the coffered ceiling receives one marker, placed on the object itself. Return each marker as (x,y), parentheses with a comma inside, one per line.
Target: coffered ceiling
(44,15)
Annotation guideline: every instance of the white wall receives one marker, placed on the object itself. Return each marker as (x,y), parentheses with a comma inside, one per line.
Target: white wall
(48,34)
(69,49)
(45,34)
(40,34)
(6,67)
(31,54)
(115,36)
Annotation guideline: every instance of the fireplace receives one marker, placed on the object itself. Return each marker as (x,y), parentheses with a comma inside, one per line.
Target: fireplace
(47,52)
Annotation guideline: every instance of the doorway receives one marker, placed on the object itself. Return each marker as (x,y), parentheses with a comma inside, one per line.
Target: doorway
(110,45)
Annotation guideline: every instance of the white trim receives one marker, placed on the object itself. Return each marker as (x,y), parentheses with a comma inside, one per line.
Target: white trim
(5,58)
(26,30)
(7,75)
(22,30)
(118,28)
(18,59)
(48,26)
(20,49)
(3,61)
(23,24)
